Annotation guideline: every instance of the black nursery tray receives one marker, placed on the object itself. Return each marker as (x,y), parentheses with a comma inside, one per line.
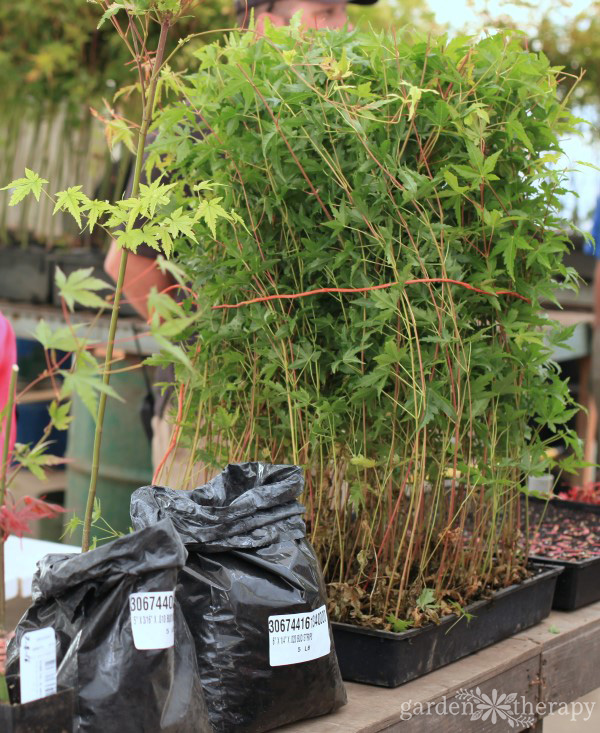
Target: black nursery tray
(389,659)
(578,585)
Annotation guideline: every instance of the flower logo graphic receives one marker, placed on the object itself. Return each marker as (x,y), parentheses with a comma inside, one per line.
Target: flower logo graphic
(494,707)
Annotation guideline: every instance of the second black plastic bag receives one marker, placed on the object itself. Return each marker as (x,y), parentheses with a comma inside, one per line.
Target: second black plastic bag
(253,595)
(122,642)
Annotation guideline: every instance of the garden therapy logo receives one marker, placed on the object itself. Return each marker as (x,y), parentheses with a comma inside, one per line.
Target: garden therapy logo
(495,707)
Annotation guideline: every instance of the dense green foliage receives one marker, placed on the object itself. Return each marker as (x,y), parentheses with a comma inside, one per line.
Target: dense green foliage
(356,161)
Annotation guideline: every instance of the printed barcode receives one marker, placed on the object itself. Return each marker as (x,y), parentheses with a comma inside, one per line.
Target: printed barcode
(49,674)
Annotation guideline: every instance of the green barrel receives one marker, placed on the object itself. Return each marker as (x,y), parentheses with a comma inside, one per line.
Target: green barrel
(125,454)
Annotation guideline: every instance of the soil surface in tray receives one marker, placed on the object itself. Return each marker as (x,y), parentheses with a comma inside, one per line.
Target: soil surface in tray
(564,534)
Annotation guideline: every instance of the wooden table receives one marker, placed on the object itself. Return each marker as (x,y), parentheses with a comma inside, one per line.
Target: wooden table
(539,664)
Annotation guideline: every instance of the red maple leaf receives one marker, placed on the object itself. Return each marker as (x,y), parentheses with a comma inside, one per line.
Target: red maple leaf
(15,516)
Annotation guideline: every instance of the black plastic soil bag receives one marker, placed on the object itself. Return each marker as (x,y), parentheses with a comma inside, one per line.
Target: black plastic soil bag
(253,596)
(120,684)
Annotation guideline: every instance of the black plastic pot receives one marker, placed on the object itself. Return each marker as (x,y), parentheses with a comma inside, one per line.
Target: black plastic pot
(52,714)
(578,585)
(24,274)
(389,659)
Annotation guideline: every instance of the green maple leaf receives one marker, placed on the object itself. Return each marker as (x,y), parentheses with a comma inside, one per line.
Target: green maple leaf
(176,272)
(73,201)
(86,382)
(118,131)
(180,223)
(113,9)
(133,207)
(452,181)
(168,6)
(211,211)
(174,351)
(79,287)
(36,458)
(204,186)
(154,195)
(118,215)
(238,219)
(427,600)
(167,242)
(97,512)
(59,414)
(151,234)
(130,239)
(32,183)
(94,209)
(71,526)
(64,338)
(398,625)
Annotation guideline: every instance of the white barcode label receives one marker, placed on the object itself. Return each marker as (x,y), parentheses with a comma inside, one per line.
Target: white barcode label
(37,664)
(152,619)
(298,637)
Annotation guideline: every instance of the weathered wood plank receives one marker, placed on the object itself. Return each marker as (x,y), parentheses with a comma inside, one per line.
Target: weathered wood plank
(567,624)
(572,669)
(455,714)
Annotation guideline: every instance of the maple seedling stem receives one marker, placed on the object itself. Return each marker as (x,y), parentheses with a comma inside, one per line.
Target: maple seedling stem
(146,119)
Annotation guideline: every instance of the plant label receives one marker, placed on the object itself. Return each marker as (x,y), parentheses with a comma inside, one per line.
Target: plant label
(298,637)
(37,664)
(152,621)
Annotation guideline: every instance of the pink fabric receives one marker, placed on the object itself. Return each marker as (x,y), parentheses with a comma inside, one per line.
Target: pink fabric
(8,357)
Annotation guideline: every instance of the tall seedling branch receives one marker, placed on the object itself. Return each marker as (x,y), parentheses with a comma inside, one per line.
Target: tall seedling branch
(148,106)
(148,202)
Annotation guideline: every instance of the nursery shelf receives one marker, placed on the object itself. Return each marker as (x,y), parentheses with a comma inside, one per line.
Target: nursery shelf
(555,661)
(25,317)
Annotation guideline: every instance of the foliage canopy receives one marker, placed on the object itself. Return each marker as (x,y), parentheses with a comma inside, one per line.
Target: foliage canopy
(353,160)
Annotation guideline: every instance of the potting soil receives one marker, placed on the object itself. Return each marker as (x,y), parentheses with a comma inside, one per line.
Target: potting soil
(253,596)
(122,642)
